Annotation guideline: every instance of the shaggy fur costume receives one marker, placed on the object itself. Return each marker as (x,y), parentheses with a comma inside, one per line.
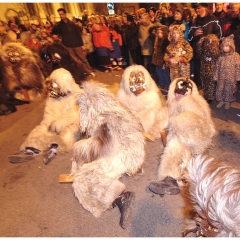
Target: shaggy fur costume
(149,106)
(214,192)
(22,70)
(190,131)
(63,60)
(60,122)
(115,147)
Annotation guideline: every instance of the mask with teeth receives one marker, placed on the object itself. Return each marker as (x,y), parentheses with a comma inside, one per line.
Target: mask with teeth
(13,57)
(54,90)
(137,82)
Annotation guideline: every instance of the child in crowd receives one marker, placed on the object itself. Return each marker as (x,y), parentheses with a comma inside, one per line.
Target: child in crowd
(227,72)
(160,44)
(178,54)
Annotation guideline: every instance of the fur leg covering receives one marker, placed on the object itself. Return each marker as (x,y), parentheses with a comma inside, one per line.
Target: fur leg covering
(214,191)
(115,146)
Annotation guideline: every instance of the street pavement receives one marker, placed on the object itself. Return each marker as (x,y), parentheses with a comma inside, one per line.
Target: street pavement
(34,204)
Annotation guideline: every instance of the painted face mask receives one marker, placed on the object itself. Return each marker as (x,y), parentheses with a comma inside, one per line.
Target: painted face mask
(54,90)
(137,82)
(13,56)
(182,86)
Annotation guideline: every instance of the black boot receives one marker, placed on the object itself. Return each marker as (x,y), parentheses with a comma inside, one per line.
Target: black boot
(166,186)
(124,202)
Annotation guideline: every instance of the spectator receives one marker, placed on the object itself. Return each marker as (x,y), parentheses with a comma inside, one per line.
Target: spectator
(13,34)
(227,72)
(178,20)
(24,34)
(187,21)
(165,18)
(235,24)
(204,24)
(102,43)
(178,54)
(144,41)
(88,46)
(160,45)
(151,12)
(3,34)
(221,15)
(132,42)
(116,39)
(85,17)
(70,34)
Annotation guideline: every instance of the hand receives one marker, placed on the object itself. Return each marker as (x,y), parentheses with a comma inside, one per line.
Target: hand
(198,32)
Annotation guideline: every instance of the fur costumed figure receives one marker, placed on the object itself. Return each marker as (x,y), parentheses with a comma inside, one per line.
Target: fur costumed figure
(178,54)
(115,146)
(227,72)
(22,72)
(214,192)
(190,132)
(8,103)
(139,93)
(208,51)
(59,129)
(57,56)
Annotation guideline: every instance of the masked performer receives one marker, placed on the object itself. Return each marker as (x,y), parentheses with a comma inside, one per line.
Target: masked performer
(139,93)
(190,132)
(213,192)
(59,128)
(57,56)
(115,147)
(21,71)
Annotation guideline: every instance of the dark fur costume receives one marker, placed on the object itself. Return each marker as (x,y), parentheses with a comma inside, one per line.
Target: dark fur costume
(20,69)
(65,61)
(8,103)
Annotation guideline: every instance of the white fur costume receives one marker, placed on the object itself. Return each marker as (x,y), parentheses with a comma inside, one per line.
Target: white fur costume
(60,122)
(214,191)
(147,106)
(115,147)
(191,130)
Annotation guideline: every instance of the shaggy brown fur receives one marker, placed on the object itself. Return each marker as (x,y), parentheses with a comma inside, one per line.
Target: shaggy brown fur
(21,69)
(214,192)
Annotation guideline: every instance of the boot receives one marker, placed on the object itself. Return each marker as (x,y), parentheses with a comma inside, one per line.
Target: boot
(124,202)
(24,156)
(227,105)
(50,153)
(166,186)
(221,103)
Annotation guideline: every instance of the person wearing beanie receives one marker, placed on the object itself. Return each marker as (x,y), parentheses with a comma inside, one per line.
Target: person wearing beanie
(204,24)
(227,72)
(151,13)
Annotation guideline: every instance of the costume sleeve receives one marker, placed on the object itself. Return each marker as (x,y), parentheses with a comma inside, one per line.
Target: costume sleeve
(187,57)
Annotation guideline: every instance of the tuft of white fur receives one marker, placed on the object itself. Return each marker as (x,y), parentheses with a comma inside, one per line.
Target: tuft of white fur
(148,106)
(214,189)
(115,146)
(190,131)
(60,122)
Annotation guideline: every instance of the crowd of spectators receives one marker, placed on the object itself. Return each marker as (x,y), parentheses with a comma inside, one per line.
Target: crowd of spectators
(115,41)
